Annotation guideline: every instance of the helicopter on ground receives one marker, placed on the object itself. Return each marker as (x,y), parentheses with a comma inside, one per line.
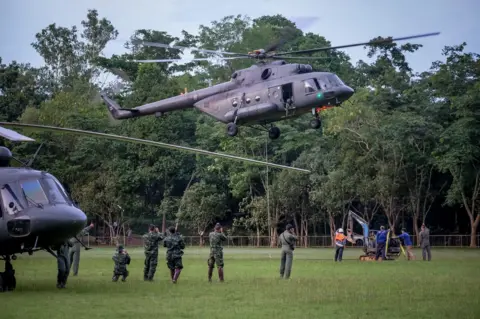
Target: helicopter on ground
(36,212)
(259,95)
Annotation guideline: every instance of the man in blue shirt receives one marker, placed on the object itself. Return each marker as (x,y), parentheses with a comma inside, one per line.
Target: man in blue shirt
(381,241)
(407,241)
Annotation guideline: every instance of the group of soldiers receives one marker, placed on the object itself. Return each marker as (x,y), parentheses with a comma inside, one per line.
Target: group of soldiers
(68,253)
(174,243)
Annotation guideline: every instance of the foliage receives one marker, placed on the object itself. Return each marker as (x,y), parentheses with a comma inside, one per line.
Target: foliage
(399,149)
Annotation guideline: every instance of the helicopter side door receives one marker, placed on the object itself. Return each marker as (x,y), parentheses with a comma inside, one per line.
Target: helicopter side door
(282,96)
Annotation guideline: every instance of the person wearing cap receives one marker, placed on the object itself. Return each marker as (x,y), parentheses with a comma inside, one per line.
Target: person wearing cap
(151,241)
(216,238)
(425,243)
(340,242)
(175,244)
(121,260)
(381,240)
(287,240)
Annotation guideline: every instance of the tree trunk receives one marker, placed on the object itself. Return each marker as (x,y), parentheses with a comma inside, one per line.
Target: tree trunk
(415,228)
(258,236)
(332,228)
(473,234)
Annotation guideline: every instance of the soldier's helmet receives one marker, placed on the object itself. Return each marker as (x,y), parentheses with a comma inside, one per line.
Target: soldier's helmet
(171,229)
(120,248)
(289,226)
(218,226)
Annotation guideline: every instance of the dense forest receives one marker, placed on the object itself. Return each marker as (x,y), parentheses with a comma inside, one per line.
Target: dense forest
(404,150)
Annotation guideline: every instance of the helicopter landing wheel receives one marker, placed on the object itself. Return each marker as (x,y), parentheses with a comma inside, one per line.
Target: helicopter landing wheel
(274,133)
(315,123)
(232,129)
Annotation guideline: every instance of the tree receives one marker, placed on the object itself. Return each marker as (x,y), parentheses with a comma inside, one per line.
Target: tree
(456,83)
(202,207)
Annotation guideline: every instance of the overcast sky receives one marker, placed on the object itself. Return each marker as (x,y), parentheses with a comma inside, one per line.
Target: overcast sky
(340,22)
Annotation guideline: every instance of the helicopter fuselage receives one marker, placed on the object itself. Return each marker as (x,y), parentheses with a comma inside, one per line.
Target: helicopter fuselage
(260,94)
(35,211)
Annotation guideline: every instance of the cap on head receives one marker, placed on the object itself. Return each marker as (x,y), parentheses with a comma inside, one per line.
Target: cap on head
(340,230)
(120,248)
(171,229)
(289,226)
(218,226)
(151,227)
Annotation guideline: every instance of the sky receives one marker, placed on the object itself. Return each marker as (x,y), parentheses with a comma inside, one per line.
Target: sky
(340,22)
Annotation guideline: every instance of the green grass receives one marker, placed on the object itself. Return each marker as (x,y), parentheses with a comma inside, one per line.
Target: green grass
(447,287)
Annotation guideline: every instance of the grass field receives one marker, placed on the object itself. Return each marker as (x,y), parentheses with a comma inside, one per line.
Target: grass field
(446,287)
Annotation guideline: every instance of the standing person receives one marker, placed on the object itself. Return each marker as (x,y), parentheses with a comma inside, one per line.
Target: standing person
(175,244)
(340,242)
(121,258)
(74,253)
(425,243)
(63,263)
(150,242)
(381,240)
(407,241)
(216,238)
(287,240)
(129,236)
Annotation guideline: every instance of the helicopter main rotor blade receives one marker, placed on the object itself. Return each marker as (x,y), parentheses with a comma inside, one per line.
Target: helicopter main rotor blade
(178,47)
(185,60)
(298,57)
(151,143)
(14,136)
(387,40)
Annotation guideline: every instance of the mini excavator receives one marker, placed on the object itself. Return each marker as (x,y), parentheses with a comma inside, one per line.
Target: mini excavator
(393,247)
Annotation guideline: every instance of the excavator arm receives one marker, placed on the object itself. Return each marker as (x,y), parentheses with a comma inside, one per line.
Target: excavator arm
(364,225)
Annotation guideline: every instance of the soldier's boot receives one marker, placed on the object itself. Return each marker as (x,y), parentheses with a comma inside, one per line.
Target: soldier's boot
(176,275)
(115,278)
(220,273)
(124,278)
(64,281)
(210,273)
(59,280)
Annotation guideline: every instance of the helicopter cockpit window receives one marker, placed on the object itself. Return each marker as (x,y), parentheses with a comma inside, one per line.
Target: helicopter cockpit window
(34,193)
(309,86)
(54,192)
(11,203)
(335,80)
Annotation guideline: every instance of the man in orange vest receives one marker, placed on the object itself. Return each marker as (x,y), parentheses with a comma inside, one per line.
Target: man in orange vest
(340,242)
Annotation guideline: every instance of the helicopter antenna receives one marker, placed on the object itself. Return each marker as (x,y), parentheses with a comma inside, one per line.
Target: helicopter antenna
(30,162)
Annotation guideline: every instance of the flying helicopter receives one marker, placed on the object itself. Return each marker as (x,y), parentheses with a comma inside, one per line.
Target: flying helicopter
(37,213)
(262,94)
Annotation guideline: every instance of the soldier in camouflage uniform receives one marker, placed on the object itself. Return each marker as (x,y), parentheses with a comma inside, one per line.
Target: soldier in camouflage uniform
(121,260)
(63,263)
(175,245)
(216,238)
(74,254)
(287,240)
(151,241)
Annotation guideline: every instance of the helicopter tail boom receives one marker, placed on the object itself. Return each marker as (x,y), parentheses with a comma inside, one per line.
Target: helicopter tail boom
(117,112)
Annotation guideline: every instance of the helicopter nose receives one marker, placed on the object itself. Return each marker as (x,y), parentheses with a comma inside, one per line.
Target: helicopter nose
(58,223)
(346,92)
